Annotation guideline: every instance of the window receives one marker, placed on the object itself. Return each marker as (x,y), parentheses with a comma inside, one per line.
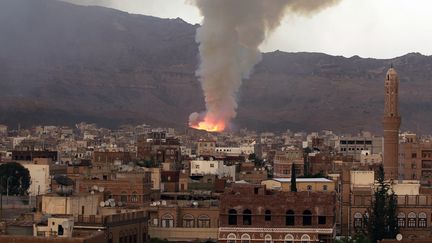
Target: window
(267,215)
(167,221)
(325,188)
(268,239)
(289,238)
(247,217)
(289,218)
(422,220)
(321,219)
(412,220)
(123,197)
(231,238)
(305,238)
(211,165)
(307,217)
(401,220)
(309,187)
(245,238)
(188,221)
(203,221)
(232,217)
(134,197)
(358,220)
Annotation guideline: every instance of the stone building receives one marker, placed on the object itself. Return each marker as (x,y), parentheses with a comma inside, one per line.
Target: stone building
(253,213)
(416,160)
(184,221)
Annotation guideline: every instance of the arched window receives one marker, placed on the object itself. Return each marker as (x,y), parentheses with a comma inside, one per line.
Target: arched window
(203,221)
(245,238)
(422,220)
(232,217)
(307,217)
(167,221)
(267,215)
(289,238)
(247,217)
(188,221)
(305,238)
(401,220)
(358,220)
(289,218)
(268,239)
(231,238)
(123,197)
(412,220)
(309,187)
(134,197)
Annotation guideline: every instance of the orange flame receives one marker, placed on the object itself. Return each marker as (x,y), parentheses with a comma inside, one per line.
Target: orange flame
(210,125)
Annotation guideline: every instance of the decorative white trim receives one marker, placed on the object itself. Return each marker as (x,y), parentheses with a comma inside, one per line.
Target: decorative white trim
(277,230)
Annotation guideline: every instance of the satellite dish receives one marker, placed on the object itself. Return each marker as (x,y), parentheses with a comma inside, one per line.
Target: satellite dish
(101,189)
(195,204)
(107,203)
(399,237)
(112,204)
(63,180)
(102,204)
(95,188)
(120,204)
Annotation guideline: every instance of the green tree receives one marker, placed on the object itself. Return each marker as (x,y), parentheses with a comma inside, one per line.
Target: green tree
(293,178)
(14,178)
(383,220)
(358,238)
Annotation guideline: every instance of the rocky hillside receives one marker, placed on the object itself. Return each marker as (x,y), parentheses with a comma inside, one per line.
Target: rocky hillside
(61,63)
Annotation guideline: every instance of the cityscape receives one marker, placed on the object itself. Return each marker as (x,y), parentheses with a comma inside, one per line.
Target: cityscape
(210,178)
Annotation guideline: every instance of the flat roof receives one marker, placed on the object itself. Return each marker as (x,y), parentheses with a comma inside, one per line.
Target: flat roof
(303,180)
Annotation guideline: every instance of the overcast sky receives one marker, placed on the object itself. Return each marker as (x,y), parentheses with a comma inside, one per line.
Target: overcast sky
(368,28)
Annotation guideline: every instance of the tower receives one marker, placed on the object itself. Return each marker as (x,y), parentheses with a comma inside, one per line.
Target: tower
(391,124)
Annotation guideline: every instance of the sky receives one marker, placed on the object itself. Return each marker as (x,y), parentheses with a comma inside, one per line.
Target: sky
(367,28)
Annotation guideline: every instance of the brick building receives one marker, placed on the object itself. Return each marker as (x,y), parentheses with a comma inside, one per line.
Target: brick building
(184,221)
(158,149)
(252,213)
(283,161)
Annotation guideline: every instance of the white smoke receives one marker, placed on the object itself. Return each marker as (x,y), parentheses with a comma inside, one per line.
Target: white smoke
(229,40)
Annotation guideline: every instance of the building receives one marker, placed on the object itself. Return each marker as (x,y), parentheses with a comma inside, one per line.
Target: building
(391,124)
(252,213)
(302,184)
(206,148)
(283,161)
(212,167)
(414,205)
(355,145)
(416,160)
(184,221)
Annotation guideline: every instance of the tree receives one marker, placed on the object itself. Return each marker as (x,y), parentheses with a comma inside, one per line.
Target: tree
(293,178)
(383,220)
(14,178)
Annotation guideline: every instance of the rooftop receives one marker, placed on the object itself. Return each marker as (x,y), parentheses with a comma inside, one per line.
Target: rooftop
(303,180)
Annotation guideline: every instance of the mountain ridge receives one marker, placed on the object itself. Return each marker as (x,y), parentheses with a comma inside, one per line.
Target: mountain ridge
(62,64)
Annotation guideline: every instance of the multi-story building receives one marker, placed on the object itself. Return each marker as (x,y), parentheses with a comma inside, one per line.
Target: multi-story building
(283,161)
(252,213)
(416,160)
(355,145)
(184,221)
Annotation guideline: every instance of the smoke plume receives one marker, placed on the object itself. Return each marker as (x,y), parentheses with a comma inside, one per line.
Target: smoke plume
(229,38)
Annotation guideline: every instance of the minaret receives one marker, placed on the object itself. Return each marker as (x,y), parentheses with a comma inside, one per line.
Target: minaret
(391,124)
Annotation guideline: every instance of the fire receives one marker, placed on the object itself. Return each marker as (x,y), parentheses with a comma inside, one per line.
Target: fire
(210,126)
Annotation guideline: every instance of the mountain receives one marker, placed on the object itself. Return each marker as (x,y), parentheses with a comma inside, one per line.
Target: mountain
(61,64)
